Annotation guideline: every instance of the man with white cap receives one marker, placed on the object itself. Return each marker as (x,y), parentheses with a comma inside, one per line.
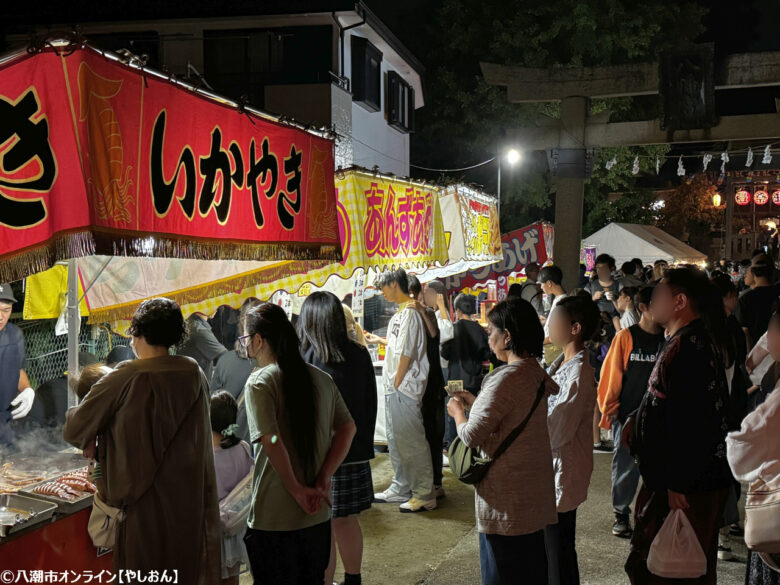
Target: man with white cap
(16,395)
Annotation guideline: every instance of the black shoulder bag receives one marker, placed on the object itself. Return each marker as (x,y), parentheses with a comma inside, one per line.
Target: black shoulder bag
(469,465)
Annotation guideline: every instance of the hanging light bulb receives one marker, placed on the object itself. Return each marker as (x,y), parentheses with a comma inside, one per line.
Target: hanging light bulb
(717,199)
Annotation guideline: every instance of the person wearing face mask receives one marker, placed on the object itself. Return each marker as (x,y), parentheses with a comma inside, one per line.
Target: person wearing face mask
(16,395)
(302,431)
(155,452)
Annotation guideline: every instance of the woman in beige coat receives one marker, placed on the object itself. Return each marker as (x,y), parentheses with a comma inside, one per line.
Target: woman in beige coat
(152,419)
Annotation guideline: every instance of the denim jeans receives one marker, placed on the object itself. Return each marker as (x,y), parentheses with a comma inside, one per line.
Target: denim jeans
(559,540)
(509,560)
(625,474)
(408,447)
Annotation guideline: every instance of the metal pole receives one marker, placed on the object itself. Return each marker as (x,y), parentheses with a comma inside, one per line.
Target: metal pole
(74,322)
(498,192)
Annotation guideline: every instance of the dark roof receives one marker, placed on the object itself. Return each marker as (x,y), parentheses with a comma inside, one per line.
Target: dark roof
(19,16)
(58,12)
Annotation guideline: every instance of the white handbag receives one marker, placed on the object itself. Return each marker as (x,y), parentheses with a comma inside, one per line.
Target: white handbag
(234,507)
(676,552)
(762,516)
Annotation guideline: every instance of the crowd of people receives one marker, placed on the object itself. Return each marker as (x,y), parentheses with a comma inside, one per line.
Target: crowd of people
(672,369)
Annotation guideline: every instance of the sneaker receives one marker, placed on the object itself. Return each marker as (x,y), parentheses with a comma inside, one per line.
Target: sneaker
(724,549)
(622,526)
(602,447)
(438,491)
(445,461)
(390,497)
(416,505)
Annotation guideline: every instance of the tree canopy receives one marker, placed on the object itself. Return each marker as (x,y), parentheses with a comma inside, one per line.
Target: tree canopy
(465,120)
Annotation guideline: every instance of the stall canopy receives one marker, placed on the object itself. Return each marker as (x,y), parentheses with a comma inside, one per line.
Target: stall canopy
(382,222)
(105,157)
(470,220)
(625,241)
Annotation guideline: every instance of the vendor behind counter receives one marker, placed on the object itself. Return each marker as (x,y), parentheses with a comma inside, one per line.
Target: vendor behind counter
(16,395)
(51,397)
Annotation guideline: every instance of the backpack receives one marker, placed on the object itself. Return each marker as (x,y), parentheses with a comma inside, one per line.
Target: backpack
(234,507)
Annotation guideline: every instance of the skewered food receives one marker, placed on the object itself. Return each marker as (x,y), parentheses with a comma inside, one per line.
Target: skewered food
(71,486)
(56,489)
(11,481)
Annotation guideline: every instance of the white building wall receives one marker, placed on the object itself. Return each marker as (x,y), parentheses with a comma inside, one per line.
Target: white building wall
(374,142)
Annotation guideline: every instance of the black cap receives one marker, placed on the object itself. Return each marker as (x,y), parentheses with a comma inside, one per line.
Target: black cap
(120,353)
(7,294)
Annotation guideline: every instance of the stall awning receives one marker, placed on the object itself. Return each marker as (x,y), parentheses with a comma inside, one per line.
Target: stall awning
(470,220)
(109,158)
(625,241)
(382,222)
(533,243)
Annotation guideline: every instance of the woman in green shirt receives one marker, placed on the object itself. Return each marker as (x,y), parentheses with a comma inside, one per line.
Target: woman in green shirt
(302,431)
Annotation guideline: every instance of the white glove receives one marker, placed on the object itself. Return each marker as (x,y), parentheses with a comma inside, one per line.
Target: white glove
(24,401)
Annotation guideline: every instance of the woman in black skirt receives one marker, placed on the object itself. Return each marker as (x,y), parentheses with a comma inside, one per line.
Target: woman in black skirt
(326,345)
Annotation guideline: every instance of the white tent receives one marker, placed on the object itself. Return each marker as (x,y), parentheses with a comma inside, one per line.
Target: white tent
(625,241)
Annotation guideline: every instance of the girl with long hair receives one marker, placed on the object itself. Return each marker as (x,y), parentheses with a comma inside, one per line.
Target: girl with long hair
(302,431)
(325,343)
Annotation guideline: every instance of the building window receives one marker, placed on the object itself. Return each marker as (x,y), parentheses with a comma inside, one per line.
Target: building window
(245,61)
(400,103)
(366,74)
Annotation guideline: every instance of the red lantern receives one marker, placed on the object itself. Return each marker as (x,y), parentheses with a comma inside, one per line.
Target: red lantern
(761,197)
(742,197)
(776,197)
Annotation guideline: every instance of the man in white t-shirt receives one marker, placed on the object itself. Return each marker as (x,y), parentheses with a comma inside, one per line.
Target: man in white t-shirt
(404,376)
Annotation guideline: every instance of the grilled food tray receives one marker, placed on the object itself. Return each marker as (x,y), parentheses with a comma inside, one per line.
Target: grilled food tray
(63,506)
(29,511)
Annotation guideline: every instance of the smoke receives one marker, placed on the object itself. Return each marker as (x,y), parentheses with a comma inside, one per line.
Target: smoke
(40,449)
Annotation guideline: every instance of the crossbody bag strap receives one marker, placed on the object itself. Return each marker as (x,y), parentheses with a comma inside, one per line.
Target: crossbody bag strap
(190,410)
(521,427)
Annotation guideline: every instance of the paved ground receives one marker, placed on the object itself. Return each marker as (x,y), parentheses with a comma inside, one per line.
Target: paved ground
(440,548)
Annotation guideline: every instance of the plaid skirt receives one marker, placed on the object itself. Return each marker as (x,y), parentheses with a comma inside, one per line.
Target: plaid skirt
(352,489)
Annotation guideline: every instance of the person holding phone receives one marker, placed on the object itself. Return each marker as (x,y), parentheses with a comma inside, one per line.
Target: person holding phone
(604,288)
(516,499)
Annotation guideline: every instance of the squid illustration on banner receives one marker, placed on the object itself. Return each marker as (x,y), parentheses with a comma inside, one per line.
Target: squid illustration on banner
(100,157)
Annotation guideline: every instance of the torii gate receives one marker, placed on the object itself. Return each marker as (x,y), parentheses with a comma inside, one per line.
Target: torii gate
(569,139)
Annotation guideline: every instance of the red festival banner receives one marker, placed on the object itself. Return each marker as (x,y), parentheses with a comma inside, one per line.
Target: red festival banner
(101,157)
(521,247)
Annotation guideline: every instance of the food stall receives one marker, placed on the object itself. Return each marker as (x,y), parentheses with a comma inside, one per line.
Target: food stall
(533,243)
(104,164)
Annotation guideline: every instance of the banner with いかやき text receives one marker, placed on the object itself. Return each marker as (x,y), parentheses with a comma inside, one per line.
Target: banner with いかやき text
(103,157)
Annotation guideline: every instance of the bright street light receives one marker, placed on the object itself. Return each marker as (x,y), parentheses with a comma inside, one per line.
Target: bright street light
(513,156)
